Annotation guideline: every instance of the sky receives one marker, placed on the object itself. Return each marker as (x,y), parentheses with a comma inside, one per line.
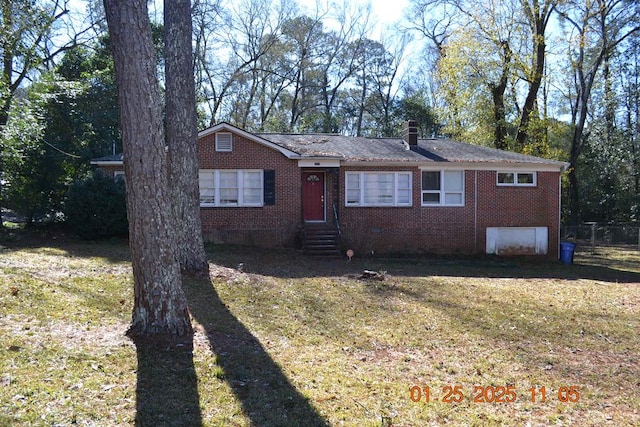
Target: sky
(384,12)
(387,11)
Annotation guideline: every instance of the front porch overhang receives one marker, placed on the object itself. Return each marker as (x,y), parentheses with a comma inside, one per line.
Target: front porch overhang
(321,162)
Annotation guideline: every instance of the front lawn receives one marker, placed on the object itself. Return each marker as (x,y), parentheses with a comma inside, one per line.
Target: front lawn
(287,340)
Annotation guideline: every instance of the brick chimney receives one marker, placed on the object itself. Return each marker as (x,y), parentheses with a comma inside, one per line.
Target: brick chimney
(410,133)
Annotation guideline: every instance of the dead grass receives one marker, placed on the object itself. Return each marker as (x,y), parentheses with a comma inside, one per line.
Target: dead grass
(286,340)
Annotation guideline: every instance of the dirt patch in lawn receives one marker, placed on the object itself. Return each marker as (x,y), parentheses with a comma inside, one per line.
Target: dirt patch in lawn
(69,335)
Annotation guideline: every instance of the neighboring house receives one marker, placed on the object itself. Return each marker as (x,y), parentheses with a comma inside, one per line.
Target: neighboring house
(382,195)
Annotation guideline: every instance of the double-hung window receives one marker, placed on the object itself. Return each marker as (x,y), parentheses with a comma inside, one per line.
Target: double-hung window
(378,189)
(230,187)
(522,179)
(207,188)
(442,188)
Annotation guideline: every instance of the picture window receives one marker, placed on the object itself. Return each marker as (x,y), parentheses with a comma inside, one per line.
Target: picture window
(230,187)
(378,189)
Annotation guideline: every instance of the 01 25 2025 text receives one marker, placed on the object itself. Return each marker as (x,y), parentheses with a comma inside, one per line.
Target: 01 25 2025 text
(493,394)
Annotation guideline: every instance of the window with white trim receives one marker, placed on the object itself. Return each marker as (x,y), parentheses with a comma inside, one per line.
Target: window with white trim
(227,188)
(378,189)
(522,179)
(230,187)
(224,141)
(442,188)
(207,188)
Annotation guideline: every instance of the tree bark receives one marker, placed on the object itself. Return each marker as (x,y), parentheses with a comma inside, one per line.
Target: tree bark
(529,106)
(160,306)
(499,129)
(182,135)
(538,16)
(5,79)
(497,94)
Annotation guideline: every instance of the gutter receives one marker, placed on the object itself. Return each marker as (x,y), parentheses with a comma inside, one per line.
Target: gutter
(107,162)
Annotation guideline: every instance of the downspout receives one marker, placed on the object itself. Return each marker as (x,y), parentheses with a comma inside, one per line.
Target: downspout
(336,189)
(559,212)
(475,214)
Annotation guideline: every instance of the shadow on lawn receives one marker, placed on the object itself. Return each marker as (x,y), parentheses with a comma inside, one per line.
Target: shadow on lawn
(290,264)
(167,387)
(265,393)
(114,250)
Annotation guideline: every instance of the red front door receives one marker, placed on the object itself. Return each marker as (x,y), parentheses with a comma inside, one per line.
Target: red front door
(313,196)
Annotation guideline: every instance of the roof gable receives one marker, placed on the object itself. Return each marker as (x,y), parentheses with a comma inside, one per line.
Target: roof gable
(226,127)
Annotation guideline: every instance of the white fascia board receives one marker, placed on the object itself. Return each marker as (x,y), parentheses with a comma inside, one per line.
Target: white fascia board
(491,166)
(365,164)
(529,167)
(500,167)
(319,162)
(107,163)
(222,127)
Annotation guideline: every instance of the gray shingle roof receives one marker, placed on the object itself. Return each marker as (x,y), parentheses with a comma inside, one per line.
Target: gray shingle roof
(389,150)
(394,149)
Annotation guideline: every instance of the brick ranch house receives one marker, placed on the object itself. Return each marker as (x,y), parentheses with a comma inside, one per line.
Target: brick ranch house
(404,195)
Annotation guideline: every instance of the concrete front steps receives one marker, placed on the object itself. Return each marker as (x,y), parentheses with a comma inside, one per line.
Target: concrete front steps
(321,239)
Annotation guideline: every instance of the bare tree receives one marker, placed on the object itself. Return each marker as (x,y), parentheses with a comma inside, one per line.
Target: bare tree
(230,46)
(377,83)
(306,37)
(340,53)
(160,306)
(631,90)
(493,25)
(597,28)
(517,30)
(537,15)
(435,22)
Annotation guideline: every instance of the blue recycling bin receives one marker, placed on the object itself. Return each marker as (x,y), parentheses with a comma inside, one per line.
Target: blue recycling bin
(566,252)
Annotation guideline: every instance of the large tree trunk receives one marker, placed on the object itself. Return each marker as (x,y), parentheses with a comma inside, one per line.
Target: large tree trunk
(633,126)
(160,306)
(529,107)
(538,16)
(182,135)
(578,141)
(6,77)
(584,85)
(574,191)
(497,95)
(499,127)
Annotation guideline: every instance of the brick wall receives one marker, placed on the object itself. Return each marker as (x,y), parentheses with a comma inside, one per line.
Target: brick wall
(452,230)
(409,229)
(110,170)
(520,206)
(275,225)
